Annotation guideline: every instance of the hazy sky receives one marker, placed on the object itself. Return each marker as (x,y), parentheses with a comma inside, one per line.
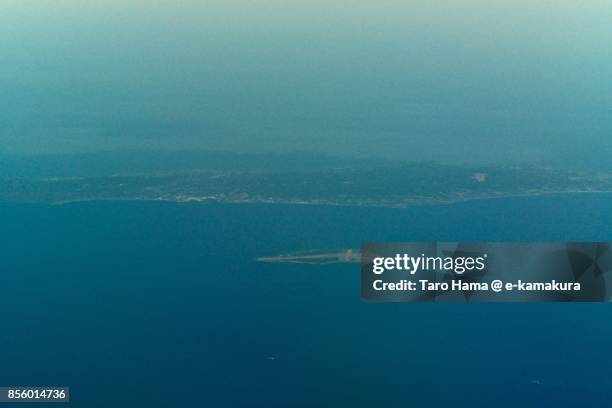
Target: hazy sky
(498,80)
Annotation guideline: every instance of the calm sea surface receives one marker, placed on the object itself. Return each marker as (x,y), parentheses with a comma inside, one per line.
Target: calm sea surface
(149,304)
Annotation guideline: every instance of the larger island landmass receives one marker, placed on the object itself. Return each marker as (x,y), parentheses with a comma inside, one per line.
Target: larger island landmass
(233,178)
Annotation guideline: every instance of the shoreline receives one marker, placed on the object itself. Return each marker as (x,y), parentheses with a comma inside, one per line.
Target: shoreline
(381,205)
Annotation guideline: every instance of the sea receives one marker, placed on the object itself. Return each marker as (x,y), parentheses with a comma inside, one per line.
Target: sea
(160,304)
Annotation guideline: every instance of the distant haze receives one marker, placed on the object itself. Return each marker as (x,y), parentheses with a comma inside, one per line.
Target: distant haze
(450,81)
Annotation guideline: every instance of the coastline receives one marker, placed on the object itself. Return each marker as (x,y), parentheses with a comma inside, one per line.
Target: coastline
(408,203)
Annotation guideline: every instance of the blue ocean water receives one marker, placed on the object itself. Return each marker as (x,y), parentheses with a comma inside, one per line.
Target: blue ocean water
(151,304)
